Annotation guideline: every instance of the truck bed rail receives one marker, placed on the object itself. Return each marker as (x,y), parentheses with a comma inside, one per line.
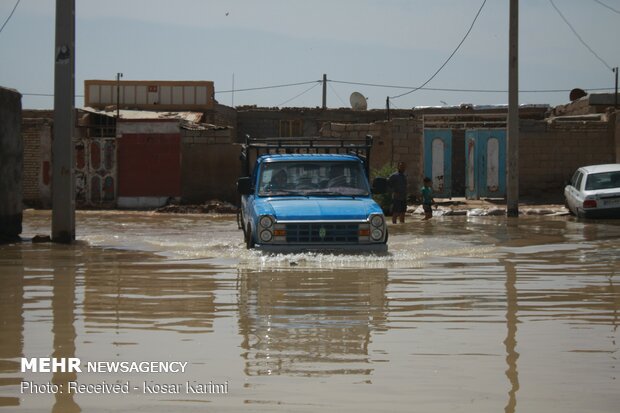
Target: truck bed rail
(255,147)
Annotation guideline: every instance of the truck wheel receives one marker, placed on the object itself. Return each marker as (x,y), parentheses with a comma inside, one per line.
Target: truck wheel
(249,239)
(241,221)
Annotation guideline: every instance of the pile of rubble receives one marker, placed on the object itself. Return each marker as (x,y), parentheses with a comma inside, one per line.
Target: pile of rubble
(484,208)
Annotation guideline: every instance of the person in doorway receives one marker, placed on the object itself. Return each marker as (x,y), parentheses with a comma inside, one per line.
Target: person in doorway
(398,184)
(427,198)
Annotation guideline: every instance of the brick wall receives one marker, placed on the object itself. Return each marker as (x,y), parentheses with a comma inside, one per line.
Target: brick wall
(549,153)
(262,122)
(210,165)
(37,174)
(393,141)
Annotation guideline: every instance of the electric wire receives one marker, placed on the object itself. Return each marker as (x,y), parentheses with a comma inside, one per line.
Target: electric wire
(10,15)
(436,89)
(607,6)
(336,93)
(296,96)
(601,89)
(267,87)
(449,58)
(579,37)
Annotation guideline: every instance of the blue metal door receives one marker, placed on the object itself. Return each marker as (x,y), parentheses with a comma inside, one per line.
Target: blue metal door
(485,163)
(438,160)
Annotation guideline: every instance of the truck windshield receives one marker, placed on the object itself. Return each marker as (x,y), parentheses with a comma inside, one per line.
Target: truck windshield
(321,178)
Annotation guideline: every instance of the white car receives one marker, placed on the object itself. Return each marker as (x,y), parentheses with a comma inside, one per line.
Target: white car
(594,191)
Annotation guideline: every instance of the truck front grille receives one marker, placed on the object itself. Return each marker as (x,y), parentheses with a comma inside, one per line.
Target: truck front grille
(322,233)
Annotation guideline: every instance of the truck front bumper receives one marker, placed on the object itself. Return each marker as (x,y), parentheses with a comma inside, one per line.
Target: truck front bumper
(323,248)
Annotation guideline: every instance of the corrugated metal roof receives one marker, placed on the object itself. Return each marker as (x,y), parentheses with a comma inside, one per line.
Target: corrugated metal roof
(193,117)
(202,126)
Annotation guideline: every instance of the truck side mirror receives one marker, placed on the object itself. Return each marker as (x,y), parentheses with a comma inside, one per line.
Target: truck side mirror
(244,185)
(379,185)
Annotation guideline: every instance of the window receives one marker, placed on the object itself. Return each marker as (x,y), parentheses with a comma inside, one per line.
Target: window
(578,180)
(317,178)
(603,180)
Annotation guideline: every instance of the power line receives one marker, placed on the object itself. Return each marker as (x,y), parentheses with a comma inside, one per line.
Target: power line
(609,7)
(431,89)
(450,57)
(436,89)
(579,37)
(268,87)
(336,93)
(10,15)
(302,93)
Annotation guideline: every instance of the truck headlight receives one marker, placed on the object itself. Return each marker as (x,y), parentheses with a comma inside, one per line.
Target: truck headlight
(266,235)
(377,226)
(266,221)
(376,234)
(377,220)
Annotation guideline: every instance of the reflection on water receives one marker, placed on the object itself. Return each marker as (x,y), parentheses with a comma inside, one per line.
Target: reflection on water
(307,323)
(12,325)
(512,355)
(470,314)
(63,330)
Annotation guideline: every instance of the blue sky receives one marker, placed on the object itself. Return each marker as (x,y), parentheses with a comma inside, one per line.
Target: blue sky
(278,42)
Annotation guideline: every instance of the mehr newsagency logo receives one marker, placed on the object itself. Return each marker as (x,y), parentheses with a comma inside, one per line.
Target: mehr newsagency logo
(147,386)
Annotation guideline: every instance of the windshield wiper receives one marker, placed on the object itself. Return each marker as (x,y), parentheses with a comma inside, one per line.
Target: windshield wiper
(281,192)
(323,192)
(337,193)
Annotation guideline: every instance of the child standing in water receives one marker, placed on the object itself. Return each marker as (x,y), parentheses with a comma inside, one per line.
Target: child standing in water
(427,198)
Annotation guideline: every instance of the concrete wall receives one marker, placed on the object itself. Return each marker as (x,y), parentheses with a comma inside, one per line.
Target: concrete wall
(210,166)
(11,163)
(150,94)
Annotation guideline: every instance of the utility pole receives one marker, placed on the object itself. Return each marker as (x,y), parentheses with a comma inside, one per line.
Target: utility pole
(512,167)
(324,91)
(63,192)
(616,95)
(118,96)
(387,107)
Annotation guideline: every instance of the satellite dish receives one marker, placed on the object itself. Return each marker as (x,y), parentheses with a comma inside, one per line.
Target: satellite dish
(358,101)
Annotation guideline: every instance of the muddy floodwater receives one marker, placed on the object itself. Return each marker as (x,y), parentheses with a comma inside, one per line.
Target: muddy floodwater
(170,313)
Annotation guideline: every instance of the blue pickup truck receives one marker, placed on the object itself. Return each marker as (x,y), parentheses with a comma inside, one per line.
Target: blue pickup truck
(310,195)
